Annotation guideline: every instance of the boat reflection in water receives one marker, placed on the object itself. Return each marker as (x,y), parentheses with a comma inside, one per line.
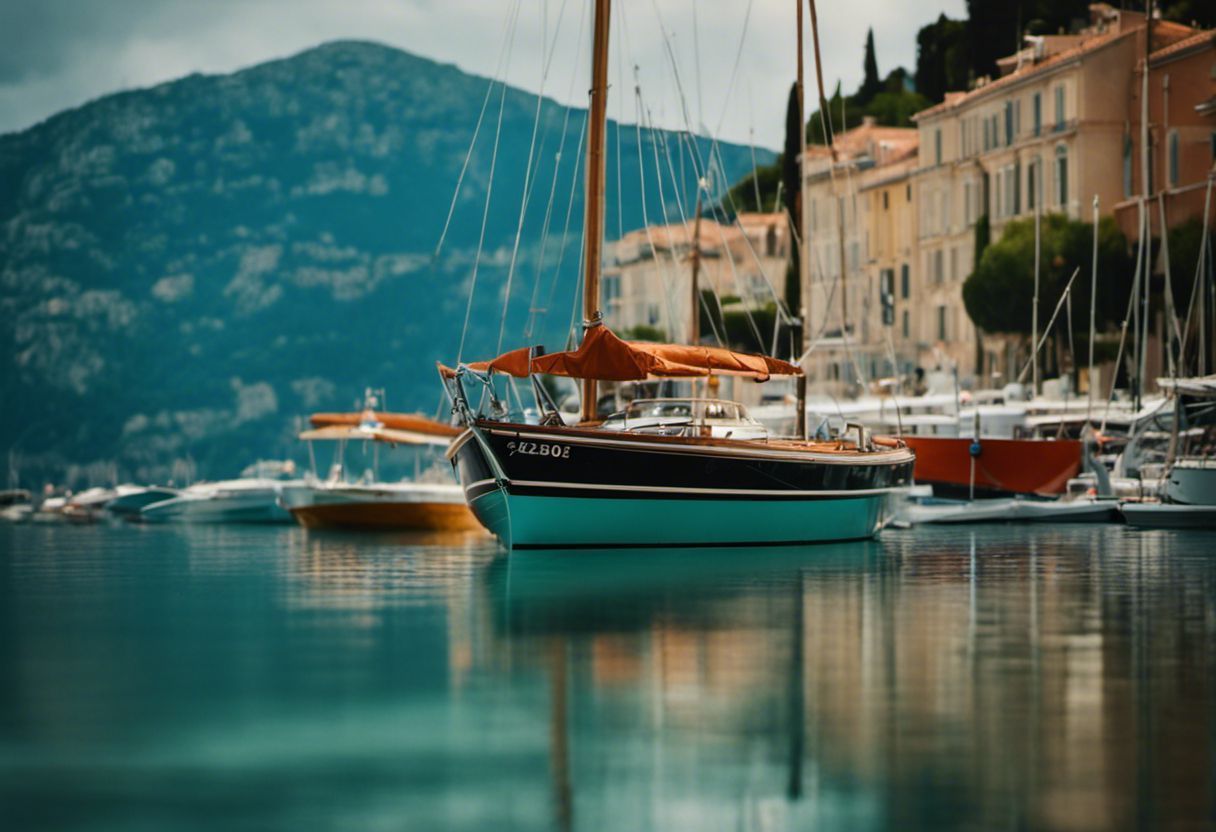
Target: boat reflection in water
(1015,678)
(992,677)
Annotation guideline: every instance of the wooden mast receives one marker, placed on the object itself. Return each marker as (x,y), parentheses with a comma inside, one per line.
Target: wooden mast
(800,229)
(829,137)
(695,323)
(593,226)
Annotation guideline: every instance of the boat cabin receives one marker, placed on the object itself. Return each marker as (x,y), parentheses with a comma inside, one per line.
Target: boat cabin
(716,418)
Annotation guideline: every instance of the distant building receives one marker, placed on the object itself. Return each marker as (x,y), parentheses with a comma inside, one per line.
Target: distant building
(1047,135)
(647,281)
(853,351)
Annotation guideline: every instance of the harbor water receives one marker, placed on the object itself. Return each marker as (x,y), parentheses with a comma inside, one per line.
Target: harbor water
(1007,677)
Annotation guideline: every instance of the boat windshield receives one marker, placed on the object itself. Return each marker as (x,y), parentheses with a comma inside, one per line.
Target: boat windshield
(692,417)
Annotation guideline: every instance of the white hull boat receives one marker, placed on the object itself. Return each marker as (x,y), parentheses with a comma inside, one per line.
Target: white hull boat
(230,501)
(1011,510)
(1168,516)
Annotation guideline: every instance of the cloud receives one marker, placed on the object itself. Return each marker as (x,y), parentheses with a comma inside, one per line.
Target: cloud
(60,53)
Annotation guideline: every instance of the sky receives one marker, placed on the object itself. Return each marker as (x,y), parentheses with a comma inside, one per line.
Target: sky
(724,66)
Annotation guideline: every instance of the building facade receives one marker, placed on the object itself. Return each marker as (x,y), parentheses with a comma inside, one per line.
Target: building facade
(1181,132)
(647,281)
(1044,137)
(849,232)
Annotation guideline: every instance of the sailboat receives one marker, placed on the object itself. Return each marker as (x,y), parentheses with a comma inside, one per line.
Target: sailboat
(1188,477)
(705,473)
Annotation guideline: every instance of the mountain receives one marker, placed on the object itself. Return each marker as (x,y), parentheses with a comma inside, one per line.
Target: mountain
(187,270)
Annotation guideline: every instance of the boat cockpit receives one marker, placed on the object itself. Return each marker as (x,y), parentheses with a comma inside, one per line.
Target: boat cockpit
(708,418)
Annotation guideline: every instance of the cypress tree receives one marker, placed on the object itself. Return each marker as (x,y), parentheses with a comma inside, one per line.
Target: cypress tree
(870,84)
(792,197)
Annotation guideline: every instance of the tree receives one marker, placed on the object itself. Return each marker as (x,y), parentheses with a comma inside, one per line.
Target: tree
(870,85)
(943,58)
(1188,12)
(983,236)
(790,173)
(1185,241)
(764,180)
(999,294)
(995,30)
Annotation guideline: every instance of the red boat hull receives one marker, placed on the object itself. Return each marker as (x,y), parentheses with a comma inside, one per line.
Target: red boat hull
(1009,466)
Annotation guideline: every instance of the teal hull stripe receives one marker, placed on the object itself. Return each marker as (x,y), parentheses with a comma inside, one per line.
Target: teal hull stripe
(525,521)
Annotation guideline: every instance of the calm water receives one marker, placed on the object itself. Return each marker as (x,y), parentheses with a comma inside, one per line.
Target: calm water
(241,678)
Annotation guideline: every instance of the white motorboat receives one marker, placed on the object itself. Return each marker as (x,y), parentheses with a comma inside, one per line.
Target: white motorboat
(1011,510)
(131,499)
(246,500)
(432,501)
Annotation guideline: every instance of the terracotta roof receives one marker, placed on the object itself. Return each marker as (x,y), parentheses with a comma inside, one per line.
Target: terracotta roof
(753,218)
(1164,32)
(883,144)
(1183,45)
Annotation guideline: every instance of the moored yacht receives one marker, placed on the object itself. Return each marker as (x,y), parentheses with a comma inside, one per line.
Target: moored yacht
(431,501)
(663,472)
(253,498)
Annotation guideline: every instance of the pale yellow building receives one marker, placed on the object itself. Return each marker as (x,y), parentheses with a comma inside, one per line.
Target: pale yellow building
(1048,135)
(850,348)
(647,280)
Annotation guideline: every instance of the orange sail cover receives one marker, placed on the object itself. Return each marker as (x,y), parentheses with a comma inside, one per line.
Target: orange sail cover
(605,357)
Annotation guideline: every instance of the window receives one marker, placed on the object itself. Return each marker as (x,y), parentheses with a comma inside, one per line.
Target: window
(905,282)
(987,136)
(1037,108)
(1128,166)
(612,289)
(937,146)
(886,200)
(1060,107)
(941,323)
(1172,150)
(1017,187)
(954,264)
(1032,184)
(905,327)
(1062,176)
(1008,123)
(938,270)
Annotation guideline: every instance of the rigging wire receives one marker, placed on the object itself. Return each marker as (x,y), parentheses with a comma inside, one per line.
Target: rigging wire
(561,254)
(464,168)
(1131,303)
(530,326)
(485,216)
(700,168)
(659,262)
(527,189)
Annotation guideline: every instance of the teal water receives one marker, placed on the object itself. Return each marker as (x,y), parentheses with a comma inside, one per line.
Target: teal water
(271,678)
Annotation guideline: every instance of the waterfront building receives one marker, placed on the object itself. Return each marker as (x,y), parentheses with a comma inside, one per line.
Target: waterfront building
(1047,135)
(1181,131)
(647,279)
(867,165)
